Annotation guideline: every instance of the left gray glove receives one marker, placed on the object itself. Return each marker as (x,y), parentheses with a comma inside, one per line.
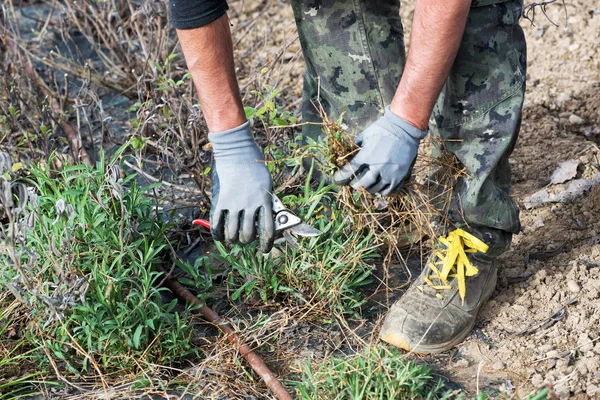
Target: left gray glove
(388,151)
(241,189)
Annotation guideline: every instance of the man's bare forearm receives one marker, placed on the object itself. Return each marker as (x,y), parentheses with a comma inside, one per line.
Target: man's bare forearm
(436,34)
(208,51)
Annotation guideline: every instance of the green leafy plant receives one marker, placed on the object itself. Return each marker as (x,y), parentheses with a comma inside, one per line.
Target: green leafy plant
(84,259)
(375,373)
(267,110)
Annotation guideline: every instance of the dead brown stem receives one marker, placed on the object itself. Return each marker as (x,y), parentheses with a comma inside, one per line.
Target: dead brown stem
(165,183)
(253,359)
(528,12)
(74,139)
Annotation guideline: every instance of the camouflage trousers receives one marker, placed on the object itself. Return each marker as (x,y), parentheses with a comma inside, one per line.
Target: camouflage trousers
(354,54)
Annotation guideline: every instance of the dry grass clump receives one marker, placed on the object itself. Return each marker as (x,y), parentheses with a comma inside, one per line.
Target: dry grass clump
(402,219)
(114,73)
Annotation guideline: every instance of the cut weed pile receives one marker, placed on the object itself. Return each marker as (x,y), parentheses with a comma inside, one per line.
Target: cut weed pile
(418,210)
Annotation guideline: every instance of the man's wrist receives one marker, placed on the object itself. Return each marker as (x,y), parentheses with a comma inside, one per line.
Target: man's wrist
(411,113)
(406,127)
(235,146)
(224,118)
(231,136)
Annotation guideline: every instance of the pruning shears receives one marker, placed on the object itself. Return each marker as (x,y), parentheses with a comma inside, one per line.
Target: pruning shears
(286,224)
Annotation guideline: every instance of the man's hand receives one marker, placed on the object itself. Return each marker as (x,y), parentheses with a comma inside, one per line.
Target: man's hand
(389,146)
(242,184)
(241,189)
(388,150)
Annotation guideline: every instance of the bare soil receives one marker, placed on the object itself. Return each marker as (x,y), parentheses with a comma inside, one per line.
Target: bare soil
(543,323)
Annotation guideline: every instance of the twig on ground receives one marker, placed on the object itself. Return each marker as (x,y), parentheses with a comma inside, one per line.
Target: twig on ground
(530,9)
(169,184)
(548,322)
(253,359)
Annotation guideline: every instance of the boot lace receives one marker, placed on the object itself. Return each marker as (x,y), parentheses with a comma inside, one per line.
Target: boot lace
(452,262)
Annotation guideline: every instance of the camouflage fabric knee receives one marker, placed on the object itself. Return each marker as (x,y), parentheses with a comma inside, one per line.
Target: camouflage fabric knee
(354,53)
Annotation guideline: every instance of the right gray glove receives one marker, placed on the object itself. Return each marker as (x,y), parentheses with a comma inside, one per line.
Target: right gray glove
(241,189)
(388,151)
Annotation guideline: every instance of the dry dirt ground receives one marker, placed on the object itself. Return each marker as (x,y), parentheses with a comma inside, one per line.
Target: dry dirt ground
(543,323)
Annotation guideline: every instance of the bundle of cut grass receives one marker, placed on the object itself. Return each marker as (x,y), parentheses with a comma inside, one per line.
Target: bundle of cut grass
(402,219)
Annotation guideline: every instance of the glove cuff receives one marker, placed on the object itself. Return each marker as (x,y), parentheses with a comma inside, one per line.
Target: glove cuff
(406,127)
(235,146)
(232,136)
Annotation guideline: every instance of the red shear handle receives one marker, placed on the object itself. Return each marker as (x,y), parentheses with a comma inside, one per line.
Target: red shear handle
(202,222)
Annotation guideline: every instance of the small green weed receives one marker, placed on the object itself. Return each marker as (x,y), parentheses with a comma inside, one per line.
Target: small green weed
(326,271)
(377,372)
(267,111)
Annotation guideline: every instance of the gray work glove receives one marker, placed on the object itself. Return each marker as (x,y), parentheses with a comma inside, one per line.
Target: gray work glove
(241,189)
(388,151)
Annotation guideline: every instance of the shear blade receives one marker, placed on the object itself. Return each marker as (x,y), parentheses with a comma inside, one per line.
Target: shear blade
(290,239)
(303,229)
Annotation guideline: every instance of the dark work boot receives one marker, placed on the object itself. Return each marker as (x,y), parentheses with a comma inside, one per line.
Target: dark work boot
(436,313)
